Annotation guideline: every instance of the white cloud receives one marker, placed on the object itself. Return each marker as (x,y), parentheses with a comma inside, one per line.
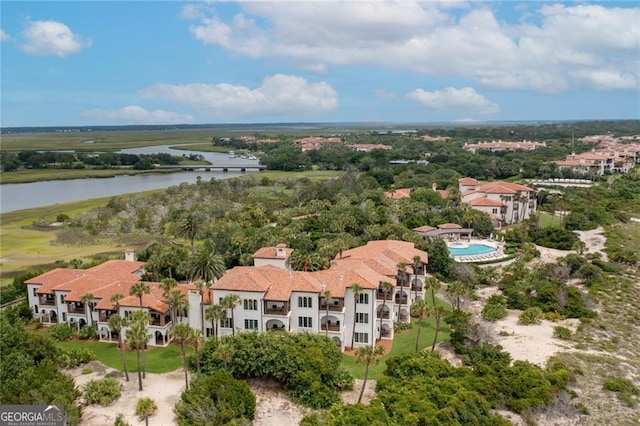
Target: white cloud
(465,100)
(277,95)
(135,114)
(436,38)
(4,35)
(607,79)
(51,38)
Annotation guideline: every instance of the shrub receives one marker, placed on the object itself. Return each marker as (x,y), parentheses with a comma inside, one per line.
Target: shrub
(86,333)
(62,332)
(400,326)
(343,379)
(37,324)
(562,332)
(102,391)
(553,316)
(216,399)
(495,309)
(120,421)
(530,316)
(626,391)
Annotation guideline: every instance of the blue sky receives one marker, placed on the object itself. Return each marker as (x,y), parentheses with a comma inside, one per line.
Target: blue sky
(171,62)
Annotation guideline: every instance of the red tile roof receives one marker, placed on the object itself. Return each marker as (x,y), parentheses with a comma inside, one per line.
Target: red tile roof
(398,193)
(467,181)
(449,226)
(485,202)
(272,252)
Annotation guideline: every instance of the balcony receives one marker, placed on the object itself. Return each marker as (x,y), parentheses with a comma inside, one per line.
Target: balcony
(330,327)
(159,322)
(335,306)
(383,315)
(104,316)
(416,287)
(381,295)
(46,302)
(385,333)
(72,308)
(401,300)
(276,308)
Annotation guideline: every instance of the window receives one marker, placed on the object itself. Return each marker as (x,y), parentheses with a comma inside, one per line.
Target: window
(363,298)
(61,299)
(494,211)
(305,322)
(64,317)
(250,304)
(34,291)
(362,337)
(250,324)
(362,318)
(305,302)
(226,323)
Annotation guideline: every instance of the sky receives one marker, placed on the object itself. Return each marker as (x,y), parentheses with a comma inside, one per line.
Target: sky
(116,62)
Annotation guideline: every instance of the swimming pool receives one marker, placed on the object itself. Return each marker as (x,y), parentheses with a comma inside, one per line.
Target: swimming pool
(471,249)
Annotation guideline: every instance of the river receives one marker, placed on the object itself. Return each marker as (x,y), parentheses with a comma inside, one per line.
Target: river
(20,196)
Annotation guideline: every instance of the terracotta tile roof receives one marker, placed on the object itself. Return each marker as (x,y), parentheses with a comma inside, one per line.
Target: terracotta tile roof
(243,278)
(272,252)
(153,300)
(449,226)
(467,181)
(386,252)
(485,202)
(50,280)
(500,187)
(443,193)
(398,193)
(423,228)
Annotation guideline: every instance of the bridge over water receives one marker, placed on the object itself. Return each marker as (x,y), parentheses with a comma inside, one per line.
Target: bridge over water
(213,167)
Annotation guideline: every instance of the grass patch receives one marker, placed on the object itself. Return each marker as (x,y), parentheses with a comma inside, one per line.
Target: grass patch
(159,360)
(309,174)
(403,342)
(38,175)
(546,220)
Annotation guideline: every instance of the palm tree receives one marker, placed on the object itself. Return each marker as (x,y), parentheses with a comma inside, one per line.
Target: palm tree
(455,292)
(145,408)
(579,246)
(87,299)
(182,332)
(137,338)
(438,312)
(138,289)
(386,288)
(357,290)
(206,265)
(196,339)
(327,297)
(434,284)
(403,279)
(215,313)
(116,324)
(419,309)
(174,299)
(192,227)
(230,301)
(417,262)
(367,355)
(167,285)
(225,352)
(143,318)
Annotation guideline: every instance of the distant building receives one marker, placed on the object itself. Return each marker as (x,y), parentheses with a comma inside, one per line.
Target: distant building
(504,202)
(367,147)
(499,145)
(314,142)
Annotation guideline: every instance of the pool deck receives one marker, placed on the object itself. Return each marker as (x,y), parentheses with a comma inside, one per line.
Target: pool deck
(496,254)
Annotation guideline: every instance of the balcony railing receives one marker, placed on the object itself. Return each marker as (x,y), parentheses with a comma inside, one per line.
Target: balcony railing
(159,322)
(416,287)
(381,295)
(277,311)
(47,302)
(73,309)
(385,333)
(383,315)
(104,317)
(339,307)
(402,300)
(331,327)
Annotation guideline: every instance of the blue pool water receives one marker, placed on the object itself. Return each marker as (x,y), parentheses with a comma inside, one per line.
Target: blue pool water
(471,250)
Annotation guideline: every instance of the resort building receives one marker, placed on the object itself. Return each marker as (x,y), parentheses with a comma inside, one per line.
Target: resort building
(615,159)
(389,276)
(311,143)
(505,202)
(495,146)
(368,147)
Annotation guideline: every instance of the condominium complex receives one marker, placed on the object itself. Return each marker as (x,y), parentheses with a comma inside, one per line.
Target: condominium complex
(360,297)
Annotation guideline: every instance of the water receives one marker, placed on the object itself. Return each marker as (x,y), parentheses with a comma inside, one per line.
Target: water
(21,196)
(470,250)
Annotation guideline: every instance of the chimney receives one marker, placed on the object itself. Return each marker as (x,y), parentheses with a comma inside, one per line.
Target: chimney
(281,250)
(129,255)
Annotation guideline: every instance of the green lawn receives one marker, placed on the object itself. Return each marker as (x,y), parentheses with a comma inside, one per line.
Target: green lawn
(403,342)
(546,220)
(159,360)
